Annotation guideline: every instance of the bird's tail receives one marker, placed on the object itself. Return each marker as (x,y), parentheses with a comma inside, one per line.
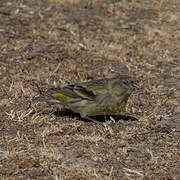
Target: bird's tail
(48,99)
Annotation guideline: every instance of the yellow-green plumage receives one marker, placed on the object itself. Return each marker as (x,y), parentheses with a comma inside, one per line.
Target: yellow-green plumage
(60,97)
(99,97)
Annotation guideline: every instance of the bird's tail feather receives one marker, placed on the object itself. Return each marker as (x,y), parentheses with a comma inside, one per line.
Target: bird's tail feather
(48,99)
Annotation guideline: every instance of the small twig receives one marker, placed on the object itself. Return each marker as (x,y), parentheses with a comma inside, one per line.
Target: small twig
(56,69)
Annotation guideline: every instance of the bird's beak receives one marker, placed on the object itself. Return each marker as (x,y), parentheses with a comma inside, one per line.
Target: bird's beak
(135,85)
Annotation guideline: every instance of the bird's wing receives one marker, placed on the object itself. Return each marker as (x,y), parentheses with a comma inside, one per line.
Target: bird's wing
(75,91)
(97,86)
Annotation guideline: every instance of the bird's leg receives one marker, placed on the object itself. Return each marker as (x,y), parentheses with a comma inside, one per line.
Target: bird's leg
(127,117)
(90,119)
(105,117)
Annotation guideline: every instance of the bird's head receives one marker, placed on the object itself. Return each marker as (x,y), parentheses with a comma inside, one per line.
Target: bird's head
(125,84)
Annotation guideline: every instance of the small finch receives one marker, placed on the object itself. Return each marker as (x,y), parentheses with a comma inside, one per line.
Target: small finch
(98,97)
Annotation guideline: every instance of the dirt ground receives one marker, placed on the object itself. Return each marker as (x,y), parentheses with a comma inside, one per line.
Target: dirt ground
(50,43)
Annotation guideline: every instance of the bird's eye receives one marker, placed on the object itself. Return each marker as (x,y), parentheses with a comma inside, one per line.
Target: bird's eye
(125,83)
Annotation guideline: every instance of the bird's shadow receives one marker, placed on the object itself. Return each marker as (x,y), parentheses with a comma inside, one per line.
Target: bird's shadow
(99,118)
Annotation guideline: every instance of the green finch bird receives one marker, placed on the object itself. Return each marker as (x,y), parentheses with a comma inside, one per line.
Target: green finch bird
(98,97)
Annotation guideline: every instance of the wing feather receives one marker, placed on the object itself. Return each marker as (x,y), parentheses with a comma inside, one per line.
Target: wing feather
(75,91)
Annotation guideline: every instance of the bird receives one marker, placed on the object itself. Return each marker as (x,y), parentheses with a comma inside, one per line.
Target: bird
(106,96)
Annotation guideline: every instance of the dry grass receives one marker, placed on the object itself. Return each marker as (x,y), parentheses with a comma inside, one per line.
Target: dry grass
(46,44)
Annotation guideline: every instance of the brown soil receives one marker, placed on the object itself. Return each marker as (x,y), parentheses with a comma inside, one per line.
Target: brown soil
(46,43)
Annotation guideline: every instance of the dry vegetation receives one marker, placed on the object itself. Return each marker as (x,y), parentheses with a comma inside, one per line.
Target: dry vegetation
(45,44)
